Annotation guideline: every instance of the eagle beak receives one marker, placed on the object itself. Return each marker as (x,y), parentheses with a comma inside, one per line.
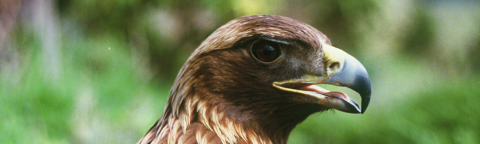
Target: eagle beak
(344,70)
(341,69)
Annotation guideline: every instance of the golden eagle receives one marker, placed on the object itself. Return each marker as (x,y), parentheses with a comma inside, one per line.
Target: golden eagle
(253,80)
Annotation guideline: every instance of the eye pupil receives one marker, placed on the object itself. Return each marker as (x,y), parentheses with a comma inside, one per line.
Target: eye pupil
(265,51)
(268,50)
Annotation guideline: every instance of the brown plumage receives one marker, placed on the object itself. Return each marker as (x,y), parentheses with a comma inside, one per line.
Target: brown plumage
(226,93)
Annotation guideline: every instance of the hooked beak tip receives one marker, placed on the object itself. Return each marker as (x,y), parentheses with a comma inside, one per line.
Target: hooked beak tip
(354,76)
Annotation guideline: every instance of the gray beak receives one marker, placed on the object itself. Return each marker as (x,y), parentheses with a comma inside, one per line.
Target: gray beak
(354,76)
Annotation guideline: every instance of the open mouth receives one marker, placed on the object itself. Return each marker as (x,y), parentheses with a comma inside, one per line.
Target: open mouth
(332,99)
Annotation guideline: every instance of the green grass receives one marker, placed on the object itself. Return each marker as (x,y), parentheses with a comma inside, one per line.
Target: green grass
(446,113)
(98,98)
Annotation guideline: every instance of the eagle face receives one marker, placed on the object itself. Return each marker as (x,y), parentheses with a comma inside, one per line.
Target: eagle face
(254,79)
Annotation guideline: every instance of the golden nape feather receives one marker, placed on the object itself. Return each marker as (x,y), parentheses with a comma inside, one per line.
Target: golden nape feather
(253,80)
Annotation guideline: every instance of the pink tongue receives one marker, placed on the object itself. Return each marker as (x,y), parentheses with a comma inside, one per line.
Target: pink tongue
(316,89)
(323,91)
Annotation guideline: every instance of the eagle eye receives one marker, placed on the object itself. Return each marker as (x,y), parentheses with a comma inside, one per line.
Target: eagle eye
(265,51)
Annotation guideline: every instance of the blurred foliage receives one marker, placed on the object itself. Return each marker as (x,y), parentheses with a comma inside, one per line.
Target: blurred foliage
(118,60)
(419,40)
(448,113)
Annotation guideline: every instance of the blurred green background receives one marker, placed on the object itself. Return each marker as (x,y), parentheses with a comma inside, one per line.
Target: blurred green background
(87,71)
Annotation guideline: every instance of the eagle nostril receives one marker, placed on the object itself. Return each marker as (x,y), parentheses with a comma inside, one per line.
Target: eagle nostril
(334,65)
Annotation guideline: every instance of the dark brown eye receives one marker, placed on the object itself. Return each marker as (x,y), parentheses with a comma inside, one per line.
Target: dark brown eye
(265,51)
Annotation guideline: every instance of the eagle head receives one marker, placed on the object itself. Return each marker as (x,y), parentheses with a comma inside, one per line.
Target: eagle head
(254,79)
